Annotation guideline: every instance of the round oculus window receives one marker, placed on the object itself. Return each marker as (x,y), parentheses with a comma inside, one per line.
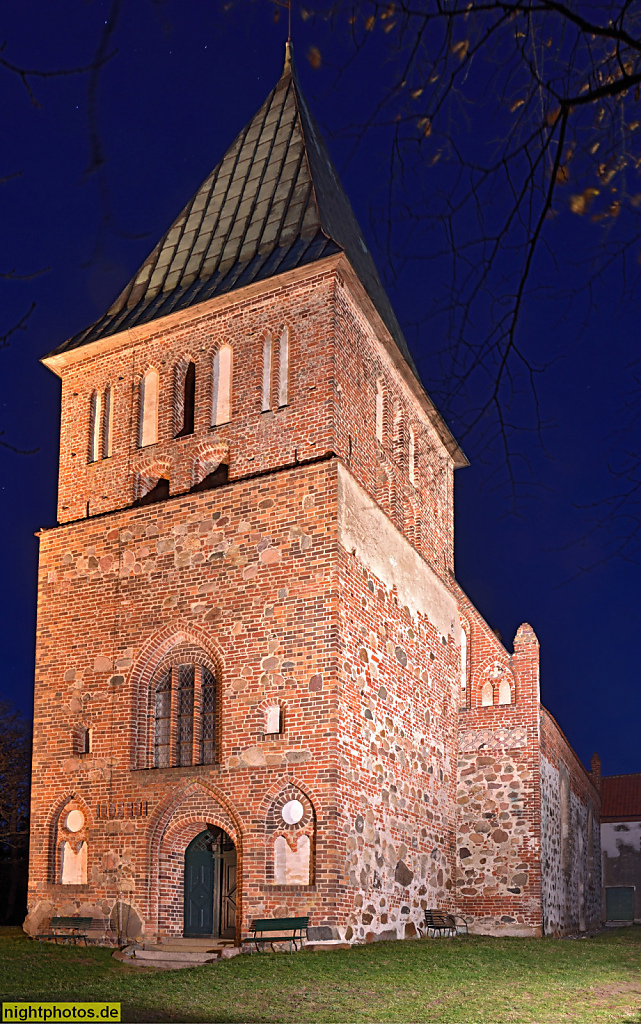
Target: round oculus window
(292,812)
(74,821)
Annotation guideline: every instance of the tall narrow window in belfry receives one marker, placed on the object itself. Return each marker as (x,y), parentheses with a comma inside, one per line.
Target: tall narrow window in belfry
(148,426)
(283,368)
(267,373)
(208,718)
(95,407)
(162,751)
(184,399)
(221,390)
(185,713)
(380,412)
(107,415)
(411,457)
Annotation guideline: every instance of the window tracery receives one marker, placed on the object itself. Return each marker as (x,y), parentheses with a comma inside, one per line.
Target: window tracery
(184,704)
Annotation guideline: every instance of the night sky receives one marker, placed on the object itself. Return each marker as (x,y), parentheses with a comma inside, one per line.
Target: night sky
(185,78)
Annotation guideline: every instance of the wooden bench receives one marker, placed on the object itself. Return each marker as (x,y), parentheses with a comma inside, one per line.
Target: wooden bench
(69,929)
(290,929)
(440,921)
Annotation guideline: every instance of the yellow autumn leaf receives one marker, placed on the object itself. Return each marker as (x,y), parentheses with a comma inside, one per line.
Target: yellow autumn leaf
(516,105)
(416,93)
(581,203)
(314,57)
(461,48)
(369,24)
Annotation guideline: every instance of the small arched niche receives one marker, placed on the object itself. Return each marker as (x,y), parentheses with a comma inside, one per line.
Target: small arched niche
(291,828)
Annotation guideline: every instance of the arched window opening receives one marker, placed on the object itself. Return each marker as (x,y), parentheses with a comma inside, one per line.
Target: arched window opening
(283,368)
(505,691)
(107,417)
(185,712)
(159,492)
(148,425)
(221,390)
(162,746)
(487,694)
(185,399)
(95,407)
(267,373)
(217,478)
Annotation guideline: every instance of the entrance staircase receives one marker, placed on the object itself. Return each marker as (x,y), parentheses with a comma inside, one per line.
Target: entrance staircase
(174,953)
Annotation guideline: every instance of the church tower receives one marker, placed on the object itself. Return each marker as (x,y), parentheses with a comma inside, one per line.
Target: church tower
(250,656)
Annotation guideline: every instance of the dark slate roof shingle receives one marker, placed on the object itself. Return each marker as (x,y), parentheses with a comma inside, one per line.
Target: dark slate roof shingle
(273,203)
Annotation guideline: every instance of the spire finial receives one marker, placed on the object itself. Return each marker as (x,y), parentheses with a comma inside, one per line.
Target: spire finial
(288,57)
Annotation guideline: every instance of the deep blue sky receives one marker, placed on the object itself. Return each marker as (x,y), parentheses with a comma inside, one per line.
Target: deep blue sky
(184,80)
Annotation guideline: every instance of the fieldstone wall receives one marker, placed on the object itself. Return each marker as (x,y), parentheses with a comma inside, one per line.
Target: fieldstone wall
(497,877)
(570,838)
(399,670)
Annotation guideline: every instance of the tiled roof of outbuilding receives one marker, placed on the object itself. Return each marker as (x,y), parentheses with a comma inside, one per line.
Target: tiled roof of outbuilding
(620,797)
(273,203)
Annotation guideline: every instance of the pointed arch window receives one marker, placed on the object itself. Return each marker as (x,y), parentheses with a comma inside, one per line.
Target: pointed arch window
(184,701)
(148,424)
(222,382)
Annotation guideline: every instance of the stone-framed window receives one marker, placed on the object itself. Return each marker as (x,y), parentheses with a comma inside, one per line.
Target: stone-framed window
(184,710)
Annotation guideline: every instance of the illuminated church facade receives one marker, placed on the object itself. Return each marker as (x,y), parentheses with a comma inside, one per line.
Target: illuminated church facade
(259,689)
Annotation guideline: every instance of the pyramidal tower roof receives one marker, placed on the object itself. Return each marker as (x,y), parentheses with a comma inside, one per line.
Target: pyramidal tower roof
(273,203)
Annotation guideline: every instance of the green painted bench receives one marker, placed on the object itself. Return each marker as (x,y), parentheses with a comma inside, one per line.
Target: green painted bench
(290,929)
(69,929)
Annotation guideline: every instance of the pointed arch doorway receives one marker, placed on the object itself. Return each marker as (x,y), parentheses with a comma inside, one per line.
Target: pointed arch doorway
(210,885)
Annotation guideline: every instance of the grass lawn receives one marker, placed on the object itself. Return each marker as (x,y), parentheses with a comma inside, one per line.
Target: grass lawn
(464,980)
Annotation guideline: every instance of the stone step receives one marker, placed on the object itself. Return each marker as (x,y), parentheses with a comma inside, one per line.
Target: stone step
(190,944)
(182,956)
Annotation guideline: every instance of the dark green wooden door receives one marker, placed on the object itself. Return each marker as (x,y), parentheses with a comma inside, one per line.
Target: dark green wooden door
(199,892)
(619,903)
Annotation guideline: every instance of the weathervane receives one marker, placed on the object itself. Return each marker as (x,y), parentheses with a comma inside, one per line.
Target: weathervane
(287,4)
